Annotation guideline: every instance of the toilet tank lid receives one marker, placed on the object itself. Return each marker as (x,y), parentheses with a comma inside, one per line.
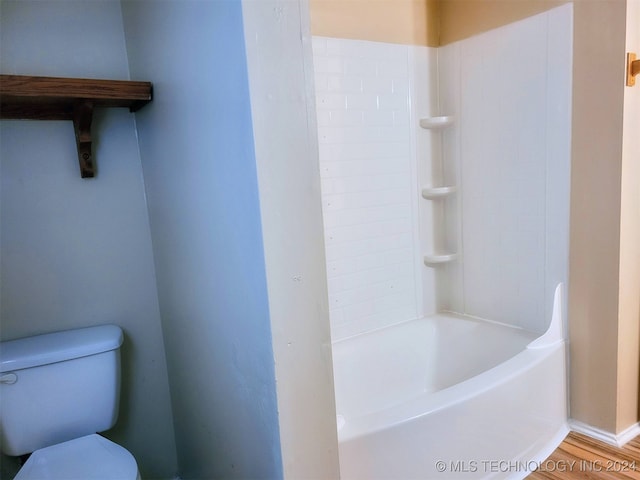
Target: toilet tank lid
(59,346)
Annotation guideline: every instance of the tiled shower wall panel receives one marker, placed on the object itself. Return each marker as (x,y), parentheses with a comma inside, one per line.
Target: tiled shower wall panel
(368,182)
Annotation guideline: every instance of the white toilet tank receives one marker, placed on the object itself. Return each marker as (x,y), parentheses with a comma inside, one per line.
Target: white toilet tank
(58,386)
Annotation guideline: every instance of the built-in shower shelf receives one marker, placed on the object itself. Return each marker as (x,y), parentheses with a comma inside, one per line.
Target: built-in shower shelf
(436,259)
(436,123)
(433,193)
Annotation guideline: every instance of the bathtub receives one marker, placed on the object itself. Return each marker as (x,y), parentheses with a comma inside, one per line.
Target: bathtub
(450,396)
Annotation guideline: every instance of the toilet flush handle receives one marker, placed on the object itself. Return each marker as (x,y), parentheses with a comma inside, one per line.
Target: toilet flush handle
(8,378)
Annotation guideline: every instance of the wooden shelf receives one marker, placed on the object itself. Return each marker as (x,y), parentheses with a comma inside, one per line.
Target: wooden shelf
(51,98)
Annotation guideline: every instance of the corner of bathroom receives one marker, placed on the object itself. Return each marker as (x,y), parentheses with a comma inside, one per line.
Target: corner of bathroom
(338,239)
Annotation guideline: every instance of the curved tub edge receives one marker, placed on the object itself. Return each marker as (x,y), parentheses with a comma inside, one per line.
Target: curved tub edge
(514,412)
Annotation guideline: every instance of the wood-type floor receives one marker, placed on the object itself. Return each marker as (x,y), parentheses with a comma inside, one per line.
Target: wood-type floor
(581,457)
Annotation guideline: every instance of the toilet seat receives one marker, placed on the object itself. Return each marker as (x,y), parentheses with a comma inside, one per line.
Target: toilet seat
(92,457)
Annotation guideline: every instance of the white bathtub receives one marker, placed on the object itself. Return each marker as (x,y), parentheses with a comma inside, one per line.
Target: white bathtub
(449,397)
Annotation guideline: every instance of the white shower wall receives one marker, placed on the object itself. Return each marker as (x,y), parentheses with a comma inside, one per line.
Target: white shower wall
(507,152)
(510,90)
(368,170)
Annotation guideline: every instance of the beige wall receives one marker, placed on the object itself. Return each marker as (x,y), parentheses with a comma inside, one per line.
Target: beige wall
(599,42)
(417,22)
(411,22)
(463,18)
(629,296)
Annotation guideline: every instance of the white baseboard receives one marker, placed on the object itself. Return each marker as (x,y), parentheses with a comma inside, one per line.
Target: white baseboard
(607,437)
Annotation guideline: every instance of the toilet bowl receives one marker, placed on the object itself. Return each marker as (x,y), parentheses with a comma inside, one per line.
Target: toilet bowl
(91,457)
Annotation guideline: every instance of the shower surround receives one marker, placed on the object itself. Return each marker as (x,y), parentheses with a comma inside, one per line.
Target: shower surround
(445,188)
(368,170)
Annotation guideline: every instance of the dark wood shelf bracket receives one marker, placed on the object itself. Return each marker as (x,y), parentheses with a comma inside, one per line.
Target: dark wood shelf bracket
(82,117)
(50,98)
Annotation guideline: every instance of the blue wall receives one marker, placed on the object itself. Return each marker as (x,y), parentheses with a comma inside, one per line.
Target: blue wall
(77,252)
(199,168)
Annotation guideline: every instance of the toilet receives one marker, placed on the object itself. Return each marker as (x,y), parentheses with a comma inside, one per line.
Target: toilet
(58,391)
